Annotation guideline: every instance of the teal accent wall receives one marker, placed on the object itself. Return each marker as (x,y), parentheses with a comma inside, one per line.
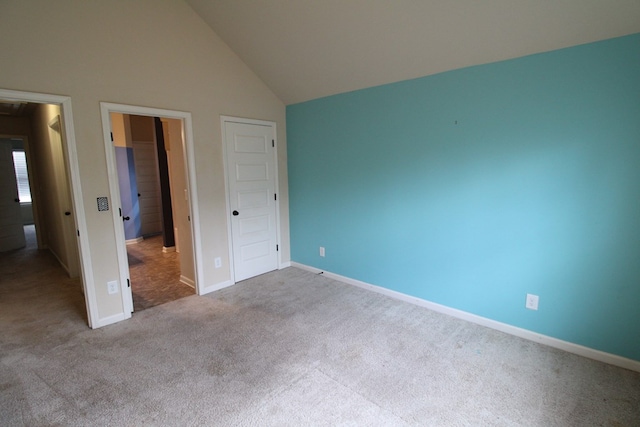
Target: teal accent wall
(474,187)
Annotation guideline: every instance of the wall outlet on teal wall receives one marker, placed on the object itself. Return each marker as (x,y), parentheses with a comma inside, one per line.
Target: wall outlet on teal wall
(532,302)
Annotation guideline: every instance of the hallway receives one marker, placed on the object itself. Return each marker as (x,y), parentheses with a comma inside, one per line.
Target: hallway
(37,294)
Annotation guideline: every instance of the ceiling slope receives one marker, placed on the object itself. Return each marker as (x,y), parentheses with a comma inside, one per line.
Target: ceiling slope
(304,49)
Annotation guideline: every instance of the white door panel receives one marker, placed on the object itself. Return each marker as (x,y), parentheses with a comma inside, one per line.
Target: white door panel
(251,167)
(68,252)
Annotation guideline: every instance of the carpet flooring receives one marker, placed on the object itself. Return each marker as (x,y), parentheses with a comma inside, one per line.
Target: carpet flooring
(288,348)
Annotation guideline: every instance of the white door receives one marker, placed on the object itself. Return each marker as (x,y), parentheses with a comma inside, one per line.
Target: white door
(70,258)
(148,181)
(11,228)
(251,170)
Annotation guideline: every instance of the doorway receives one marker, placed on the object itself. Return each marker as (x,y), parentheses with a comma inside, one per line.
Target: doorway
(136,139)
(151,174)
(43,126)
(40,179)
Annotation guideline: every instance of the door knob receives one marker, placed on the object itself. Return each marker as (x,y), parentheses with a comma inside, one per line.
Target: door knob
(126,218)
(67,213)
(16,200)
(236,213)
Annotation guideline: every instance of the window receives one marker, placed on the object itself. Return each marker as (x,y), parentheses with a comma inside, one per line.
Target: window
(20,163)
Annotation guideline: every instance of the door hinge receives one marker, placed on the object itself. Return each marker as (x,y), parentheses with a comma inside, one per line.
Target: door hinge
(273,142)
(275,197)
(277,248)
(111,136)
(120,211)
(78,231)
(128,283)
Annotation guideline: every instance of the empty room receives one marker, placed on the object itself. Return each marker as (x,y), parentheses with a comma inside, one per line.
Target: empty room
(386,212)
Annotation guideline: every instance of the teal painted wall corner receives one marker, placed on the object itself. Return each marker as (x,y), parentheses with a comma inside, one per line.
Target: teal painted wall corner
(474,187)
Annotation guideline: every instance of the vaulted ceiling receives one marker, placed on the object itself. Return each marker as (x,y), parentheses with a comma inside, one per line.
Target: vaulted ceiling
(306,49)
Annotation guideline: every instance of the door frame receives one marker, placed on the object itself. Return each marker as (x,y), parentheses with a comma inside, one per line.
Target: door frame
(232,119)
(55,125)
(106,108)
(71,157)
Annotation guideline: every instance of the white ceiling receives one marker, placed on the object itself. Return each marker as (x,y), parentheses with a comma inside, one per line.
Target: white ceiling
(306,49)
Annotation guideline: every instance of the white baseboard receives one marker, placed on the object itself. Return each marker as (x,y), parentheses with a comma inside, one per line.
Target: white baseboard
(580,350)
(62,264)
(168,249)
(216,287)
(284,265)
(134,241)
(104,321)
(187,281)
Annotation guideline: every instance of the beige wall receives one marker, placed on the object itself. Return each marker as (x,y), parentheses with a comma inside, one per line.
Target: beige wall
(14,126)
(178,176)
(152,53)
(142,128)
(121,130)
(44,190)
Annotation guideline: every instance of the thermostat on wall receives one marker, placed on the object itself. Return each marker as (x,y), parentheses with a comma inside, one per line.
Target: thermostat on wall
(103,204)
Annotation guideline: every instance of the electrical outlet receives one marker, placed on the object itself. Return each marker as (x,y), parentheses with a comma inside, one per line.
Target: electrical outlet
(112,287)
(217,262)
(532,302)
(321,251)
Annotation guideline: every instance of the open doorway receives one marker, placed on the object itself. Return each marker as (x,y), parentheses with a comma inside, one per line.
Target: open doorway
(34,164)
(153,189)
(43,234)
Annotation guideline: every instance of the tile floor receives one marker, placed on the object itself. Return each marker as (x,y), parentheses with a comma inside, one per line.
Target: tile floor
(155,276)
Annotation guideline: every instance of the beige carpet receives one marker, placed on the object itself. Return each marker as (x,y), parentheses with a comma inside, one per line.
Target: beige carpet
(288,348)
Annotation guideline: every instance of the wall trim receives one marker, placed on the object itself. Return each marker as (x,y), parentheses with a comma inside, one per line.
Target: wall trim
(187,281)
(570,347)
(110,320)
(216,287)
(64,266)
(134,241)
